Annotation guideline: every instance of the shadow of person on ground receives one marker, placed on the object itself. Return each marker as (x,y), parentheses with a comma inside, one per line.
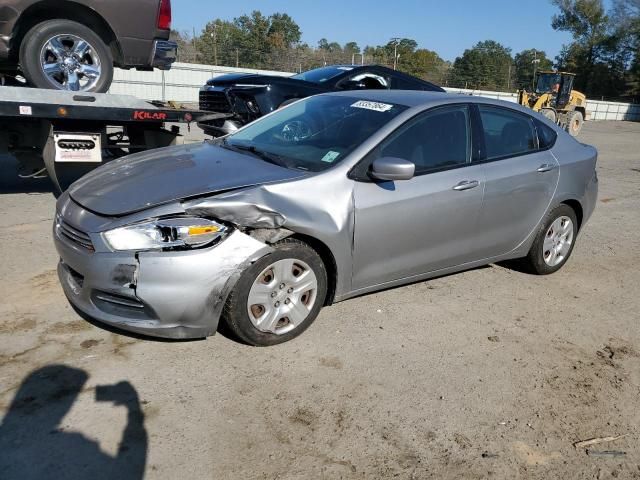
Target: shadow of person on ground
(35,445)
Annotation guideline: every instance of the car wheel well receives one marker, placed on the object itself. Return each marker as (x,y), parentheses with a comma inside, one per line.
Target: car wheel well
(64,10)
(577,208)
(329,263)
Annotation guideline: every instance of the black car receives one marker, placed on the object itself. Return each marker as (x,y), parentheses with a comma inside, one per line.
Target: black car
(239,98)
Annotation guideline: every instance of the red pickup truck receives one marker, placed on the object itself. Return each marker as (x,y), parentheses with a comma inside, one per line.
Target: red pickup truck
(75,44)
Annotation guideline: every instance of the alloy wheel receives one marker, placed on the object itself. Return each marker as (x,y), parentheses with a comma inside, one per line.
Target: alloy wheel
(557,241)
(70,63)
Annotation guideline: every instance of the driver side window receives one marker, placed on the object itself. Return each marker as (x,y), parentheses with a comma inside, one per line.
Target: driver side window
(436,140)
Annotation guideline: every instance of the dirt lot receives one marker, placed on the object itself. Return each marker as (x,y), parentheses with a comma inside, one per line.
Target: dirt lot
(487,374)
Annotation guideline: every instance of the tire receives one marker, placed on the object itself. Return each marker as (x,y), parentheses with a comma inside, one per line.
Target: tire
(574,122)
(548,254)
(549,113)
(262,324)
(60,45)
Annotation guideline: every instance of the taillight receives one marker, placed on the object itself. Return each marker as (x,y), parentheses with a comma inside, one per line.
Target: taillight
(164,16)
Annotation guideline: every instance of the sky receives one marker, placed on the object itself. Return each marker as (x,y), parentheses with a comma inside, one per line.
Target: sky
(448,27)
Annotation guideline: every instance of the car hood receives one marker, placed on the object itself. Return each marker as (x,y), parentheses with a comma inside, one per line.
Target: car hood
(256,79)
(148,179)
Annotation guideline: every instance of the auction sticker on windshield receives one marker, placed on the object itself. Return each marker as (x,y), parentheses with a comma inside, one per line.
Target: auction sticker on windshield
(330,156)
(376,106)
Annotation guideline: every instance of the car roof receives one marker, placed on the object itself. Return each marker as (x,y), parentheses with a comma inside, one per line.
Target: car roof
(423,99)
(409,98)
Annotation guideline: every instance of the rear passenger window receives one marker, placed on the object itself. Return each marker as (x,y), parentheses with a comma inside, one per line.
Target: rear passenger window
(436,140)
(507,133)
(546,135)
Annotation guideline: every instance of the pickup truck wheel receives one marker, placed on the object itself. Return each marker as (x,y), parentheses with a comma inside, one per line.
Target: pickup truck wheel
(66,55)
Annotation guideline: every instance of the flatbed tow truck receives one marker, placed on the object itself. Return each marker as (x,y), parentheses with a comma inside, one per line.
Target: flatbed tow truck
(66,134)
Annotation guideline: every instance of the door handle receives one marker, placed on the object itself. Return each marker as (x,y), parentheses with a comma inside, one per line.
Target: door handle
(546,167)
(466,185)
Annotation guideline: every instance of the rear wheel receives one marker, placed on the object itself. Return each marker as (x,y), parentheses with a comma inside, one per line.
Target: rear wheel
(279,296)
(574,122)
(554,242)
(66,55)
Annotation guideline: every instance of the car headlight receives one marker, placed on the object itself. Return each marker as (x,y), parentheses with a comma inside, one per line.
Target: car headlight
(172,233)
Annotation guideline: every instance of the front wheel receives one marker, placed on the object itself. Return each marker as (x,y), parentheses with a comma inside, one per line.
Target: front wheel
(66,55)
(279,296)
(575,120)
(550,113)
(554,242)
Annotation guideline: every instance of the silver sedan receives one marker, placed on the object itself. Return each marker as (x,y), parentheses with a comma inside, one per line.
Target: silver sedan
(332,197)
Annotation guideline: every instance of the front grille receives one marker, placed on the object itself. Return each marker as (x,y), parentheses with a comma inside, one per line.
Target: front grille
(214,101)
(75,236)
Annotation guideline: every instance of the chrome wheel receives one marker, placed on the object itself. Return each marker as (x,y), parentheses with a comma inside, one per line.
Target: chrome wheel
(282,296)
(70,63)
(557,241)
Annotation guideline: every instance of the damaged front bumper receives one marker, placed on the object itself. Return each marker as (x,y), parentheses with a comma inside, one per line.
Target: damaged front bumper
(169,294)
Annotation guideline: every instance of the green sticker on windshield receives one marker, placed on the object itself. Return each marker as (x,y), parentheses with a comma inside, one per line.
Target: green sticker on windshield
(330,156)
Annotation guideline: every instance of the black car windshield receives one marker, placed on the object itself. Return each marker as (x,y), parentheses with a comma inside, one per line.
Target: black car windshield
(315,133)
(323,74)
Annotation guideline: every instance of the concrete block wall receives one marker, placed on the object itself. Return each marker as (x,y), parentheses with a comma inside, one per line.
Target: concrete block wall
(181,83)
(599,110)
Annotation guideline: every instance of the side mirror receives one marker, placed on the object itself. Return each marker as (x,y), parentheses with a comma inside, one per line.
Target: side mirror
(392,168)
(352,85)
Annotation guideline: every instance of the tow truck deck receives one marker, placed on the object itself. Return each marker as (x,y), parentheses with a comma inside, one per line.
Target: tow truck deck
(67,134)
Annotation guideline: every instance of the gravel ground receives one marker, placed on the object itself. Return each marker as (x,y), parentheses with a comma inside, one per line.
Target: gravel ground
(491,373)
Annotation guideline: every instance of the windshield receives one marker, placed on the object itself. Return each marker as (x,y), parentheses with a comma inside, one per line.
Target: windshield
(315,133)
(548,82)
(323,74)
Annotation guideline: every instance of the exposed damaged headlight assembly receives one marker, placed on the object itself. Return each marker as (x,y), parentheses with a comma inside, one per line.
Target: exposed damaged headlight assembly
(168,233)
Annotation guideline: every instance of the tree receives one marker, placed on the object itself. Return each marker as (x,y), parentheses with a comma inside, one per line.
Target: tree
(626,16)
(351,47)
(403,48)
(486,66)
(424,63)
(218,43)
(253,40)
(528,61)
(589,24)
(187,51)
(283,31)
(350,50)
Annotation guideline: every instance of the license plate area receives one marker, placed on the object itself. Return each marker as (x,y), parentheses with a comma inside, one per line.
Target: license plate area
(78,147)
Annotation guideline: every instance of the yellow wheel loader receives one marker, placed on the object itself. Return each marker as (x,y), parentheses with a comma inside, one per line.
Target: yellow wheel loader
(555,98)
